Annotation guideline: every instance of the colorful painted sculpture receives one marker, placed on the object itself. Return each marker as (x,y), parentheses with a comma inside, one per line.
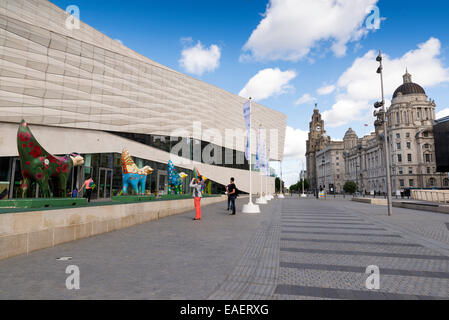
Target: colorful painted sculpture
(175,180)
(132,175)
(41,167)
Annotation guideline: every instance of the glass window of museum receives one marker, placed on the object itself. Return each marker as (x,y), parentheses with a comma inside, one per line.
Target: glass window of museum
(105,169)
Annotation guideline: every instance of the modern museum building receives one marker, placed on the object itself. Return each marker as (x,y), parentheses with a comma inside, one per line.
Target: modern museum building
(81,91)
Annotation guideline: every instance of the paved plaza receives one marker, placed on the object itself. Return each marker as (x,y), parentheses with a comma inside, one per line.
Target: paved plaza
(295,249)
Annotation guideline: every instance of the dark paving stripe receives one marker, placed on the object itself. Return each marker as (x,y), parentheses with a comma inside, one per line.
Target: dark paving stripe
(312,211)
(327,222)
(447,225)
(383,271)
(346,293)
(313,214)
(325,219)
(343,223)
(317,214)
(346,234)
(326,227)
(370,254)
(354,242)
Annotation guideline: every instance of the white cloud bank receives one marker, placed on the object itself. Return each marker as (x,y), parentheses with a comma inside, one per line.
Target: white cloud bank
(443,113)
(294,155)
(305,99)
(268,82)
(359,85)
(291,28)
(323,91)
(197,59)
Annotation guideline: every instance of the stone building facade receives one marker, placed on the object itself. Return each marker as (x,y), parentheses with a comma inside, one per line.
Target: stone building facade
(318,140)
(331,167)
(411,116)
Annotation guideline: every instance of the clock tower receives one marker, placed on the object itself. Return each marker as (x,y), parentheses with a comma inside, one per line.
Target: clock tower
(318,140)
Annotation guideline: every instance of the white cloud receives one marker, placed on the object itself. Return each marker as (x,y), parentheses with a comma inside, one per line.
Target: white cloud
(305,99)
(290,29)
(295,143)
(443,113)
(323,91)
(267,83)
(198,59)
(359,85)
(294,154)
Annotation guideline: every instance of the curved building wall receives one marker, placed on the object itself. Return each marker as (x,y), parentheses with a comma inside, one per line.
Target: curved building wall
(50,75)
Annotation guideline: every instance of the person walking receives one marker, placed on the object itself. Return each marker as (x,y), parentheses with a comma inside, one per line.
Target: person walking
(232,195)
(88,184)
(197,195)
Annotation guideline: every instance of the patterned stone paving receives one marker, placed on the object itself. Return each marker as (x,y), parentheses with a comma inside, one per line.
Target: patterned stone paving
(295,249)
(321,263)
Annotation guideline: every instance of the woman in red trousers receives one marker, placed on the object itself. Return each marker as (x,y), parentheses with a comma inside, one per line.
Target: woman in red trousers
(197,195)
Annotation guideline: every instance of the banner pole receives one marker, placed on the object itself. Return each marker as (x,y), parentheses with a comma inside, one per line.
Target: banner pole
(250,155)
(250,207)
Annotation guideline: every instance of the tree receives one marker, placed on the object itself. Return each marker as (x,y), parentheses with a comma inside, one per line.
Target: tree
(350,187)
(298,186)
(278,184)
(306,185)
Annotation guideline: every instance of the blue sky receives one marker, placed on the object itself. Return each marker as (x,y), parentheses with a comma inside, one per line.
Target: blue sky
(303,49)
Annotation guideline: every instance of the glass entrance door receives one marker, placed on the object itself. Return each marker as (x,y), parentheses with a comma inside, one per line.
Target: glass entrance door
(162,184)
(105,184)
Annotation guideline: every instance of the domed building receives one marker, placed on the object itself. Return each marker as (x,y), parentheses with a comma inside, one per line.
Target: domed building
(410,134)
(410,126)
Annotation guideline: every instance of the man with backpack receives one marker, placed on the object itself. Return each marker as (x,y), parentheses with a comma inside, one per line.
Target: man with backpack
(232,194)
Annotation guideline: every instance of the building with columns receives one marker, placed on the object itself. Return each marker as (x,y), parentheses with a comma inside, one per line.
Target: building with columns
(411,117)
(410,127)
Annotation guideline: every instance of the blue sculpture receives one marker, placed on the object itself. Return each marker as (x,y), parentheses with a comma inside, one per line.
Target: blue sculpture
(174,179)
(132,175)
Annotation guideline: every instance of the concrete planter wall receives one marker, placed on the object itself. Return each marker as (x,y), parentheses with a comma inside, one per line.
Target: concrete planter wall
(22,233)
(441,196)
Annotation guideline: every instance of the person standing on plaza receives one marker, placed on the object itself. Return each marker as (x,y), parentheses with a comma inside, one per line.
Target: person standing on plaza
(232,195)
(88,184)
(197,195)
(229,197)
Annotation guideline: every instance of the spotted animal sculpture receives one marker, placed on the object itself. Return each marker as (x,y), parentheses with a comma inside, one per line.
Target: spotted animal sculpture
(132,175)
(41,167)
(175,180)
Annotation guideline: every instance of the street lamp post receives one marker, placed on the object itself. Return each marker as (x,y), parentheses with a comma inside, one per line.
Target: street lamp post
(324,176)
(382,121)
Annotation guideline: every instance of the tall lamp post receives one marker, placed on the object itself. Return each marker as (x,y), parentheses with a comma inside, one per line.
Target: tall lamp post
(323,162)
(382,122)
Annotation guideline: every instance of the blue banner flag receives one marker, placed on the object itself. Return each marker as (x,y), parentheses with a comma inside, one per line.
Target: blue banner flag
(262,160)
(257,164)
(247,116)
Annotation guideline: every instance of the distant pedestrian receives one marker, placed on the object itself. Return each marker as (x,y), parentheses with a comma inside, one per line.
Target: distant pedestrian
(232,194)
(89,185)
(197,195)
